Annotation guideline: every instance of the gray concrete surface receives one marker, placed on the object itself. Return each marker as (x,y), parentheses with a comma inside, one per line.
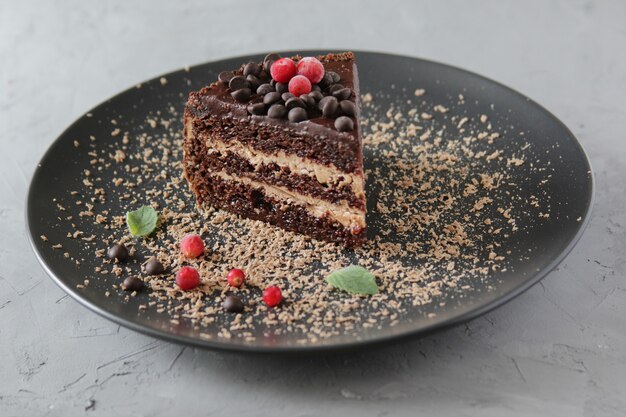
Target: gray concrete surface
(558,350)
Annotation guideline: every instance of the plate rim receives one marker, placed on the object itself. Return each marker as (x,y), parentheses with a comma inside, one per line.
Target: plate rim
(330,348)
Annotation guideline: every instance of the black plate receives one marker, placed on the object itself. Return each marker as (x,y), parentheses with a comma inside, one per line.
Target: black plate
(546,243)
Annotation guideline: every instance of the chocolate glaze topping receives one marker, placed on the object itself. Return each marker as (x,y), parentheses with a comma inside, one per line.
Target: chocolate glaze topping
(217,99)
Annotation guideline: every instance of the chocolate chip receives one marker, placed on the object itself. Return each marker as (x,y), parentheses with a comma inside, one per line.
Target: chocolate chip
(286,96)
(334,77)
(269,60)
(277,111)
(258,109)
(225,76)
(325,82)
(297,114)
(118,252)
(242,94)
(330,108)
(325,100)
(271,98)
(308,100)
(263,75)
(335,87)
(294,102)
(264,89)
(316,87)
(132,284)
(271,57)
(282,88)
(348,108)
(233,304)
(328,105)
(273,83)
(317,95)
(154,267)
(251,68)
(253,81)
(342,94)
(237,83)
(344,124)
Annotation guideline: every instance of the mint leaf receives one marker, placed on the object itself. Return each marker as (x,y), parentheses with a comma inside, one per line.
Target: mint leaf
(353,279)
(142,221)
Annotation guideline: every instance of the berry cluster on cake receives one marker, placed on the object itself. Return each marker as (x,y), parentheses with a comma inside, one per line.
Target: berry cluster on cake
(280,141)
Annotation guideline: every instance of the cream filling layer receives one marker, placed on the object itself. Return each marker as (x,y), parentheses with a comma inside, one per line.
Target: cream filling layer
(324,174)
(349,217)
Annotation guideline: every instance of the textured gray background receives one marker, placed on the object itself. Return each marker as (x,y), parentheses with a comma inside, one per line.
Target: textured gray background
(559,349)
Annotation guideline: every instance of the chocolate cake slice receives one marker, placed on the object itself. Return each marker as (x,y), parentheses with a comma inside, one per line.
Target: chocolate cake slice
(280,141)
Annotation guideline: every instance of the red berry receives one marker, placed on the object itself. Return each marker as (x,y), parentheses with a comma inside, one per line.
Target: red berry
(272,296)
(187,278)
(299,85)
(192,246)
(283,70)
(235,277)
(311,68)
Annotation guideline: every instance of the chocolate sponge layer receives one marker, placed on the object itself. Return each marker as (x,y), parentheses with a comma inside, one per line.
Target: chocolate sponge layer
(252,202)
(282,176)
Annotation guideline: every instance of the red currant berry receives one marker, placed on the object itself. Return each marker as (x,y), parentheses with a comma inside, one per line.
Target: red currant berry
(283,70)
(299,85)
(187,278)
(272,296)
(311,68)
(192,246)
(235,277)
